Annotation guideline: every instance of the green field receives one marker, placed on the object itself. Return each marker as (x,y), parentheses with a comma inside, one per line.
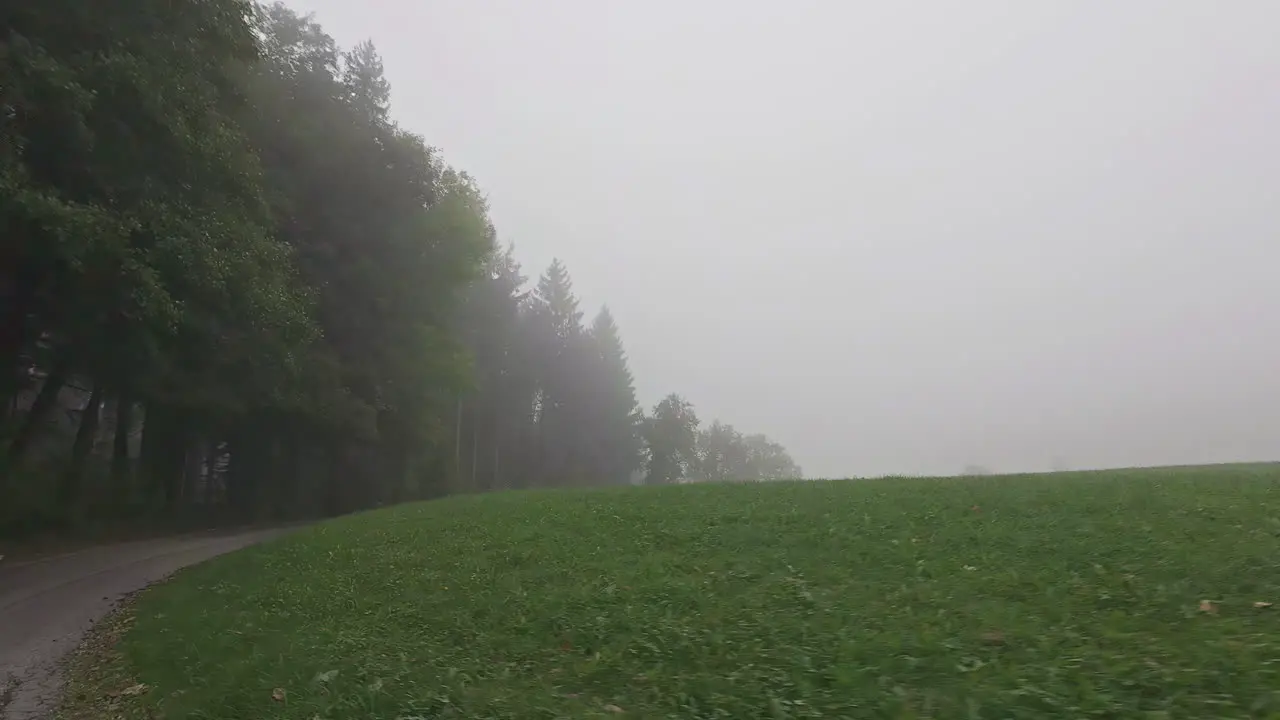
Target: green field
(1069,595)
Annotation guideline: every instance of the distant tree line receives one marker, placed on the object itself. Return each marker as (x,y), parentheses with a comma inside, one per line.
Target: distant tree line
(679,449)
(230,283)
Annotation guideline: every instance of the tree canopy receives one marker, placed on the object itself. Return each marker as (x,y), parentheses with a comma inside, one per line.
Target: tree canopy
(233,284)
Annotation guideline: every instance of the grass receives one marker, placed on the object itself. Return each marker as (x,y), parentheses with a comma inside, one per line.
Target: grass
(1069,595)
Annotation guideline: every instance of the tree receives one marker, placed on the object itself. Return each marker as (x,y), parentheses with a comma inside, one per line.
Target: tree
(726,454)
(613,416)
(557,306)
(769,460)
(495,425)
(365,83)
(559,347)
(257,296)
(722,453)
(137,236)
(671,434)
(387,235)
(216,223)
(555,400)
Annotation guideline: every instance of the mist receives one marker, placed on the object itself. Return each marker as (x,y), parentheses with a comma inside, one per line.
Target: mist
(896,238)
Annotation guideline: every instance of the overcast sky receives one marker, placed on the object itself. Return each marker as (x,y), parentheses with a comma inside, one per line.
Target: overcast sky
(899,237)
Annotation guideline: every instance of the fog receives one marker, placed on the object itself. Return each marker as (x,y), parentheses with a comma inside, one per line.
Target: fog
(896,237)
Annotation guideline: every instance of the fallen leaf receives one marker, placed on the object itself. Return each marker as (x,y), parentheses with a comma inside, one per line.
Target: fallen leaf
(325,676)
(1262,605)
(613,709)
(131,691)
(278,694)
(1208,606)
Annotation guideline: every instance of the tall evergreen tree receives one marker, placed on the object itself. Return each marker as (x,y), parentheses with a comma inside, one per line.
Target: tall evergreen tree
(613,413)
(559,349)
(495,423)
(365,83)
(555,302)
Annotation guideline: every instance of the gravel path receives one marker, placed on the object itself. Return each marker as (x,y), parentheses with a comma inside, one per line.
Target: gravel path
(47,605)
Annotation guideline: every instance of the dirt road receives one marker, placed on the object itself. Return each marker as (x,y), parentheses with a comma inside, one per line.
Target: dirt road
(47,605)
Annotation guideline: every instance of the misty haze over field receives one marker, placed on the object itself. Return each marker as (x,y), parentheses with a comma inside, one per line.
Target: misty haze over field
(896,237)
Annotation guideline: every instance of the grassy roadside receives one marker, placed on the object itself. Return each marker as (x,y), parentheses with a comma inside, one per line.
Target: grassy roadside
(99,685)
(1125,594)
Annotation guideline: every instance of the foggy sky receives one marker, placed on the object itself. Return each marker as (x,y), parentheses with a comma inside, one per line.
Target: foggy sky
(897,237)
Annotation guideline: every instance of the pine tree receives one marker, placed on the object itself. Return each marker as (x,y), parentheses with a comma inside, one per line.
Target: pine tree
(365,84)
(559,348)
(496,421)
(614,413)
(555,301)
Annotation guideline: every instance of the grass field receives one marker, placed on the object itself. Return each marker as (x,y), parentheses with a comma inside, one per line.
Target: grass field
(1063,596)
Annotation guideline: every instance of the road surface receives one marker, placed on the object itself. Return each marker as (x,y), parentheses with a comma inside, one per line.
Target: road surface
(47,605)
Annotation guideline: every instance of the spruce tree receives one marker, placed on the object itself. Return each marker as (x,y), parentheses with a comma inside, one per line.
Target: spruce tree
(614,413)
(559,349)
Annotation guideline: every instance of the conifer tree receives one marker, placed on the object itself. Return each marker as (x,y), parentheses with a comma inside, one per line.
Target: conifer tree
(614,416)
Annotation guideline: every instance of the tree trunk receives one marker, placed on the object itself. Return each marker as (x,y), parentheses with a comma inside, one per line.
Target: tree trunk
(457,443)
(211,474)
(250,446)
(497,437)
(152,429)
(14,332)
(337,471)
(162,459)
(296,497)
(174,468)
(69,492)
(193,455)
(237,477)
(45,401)
(120,463)
(475,451)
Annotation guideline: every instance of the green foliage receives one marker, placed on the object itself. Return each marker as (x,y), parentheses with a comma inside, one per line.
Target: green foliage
(284,303)
(1073,595)
(138,225)
(671,434)
(615,421)
(679,450)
